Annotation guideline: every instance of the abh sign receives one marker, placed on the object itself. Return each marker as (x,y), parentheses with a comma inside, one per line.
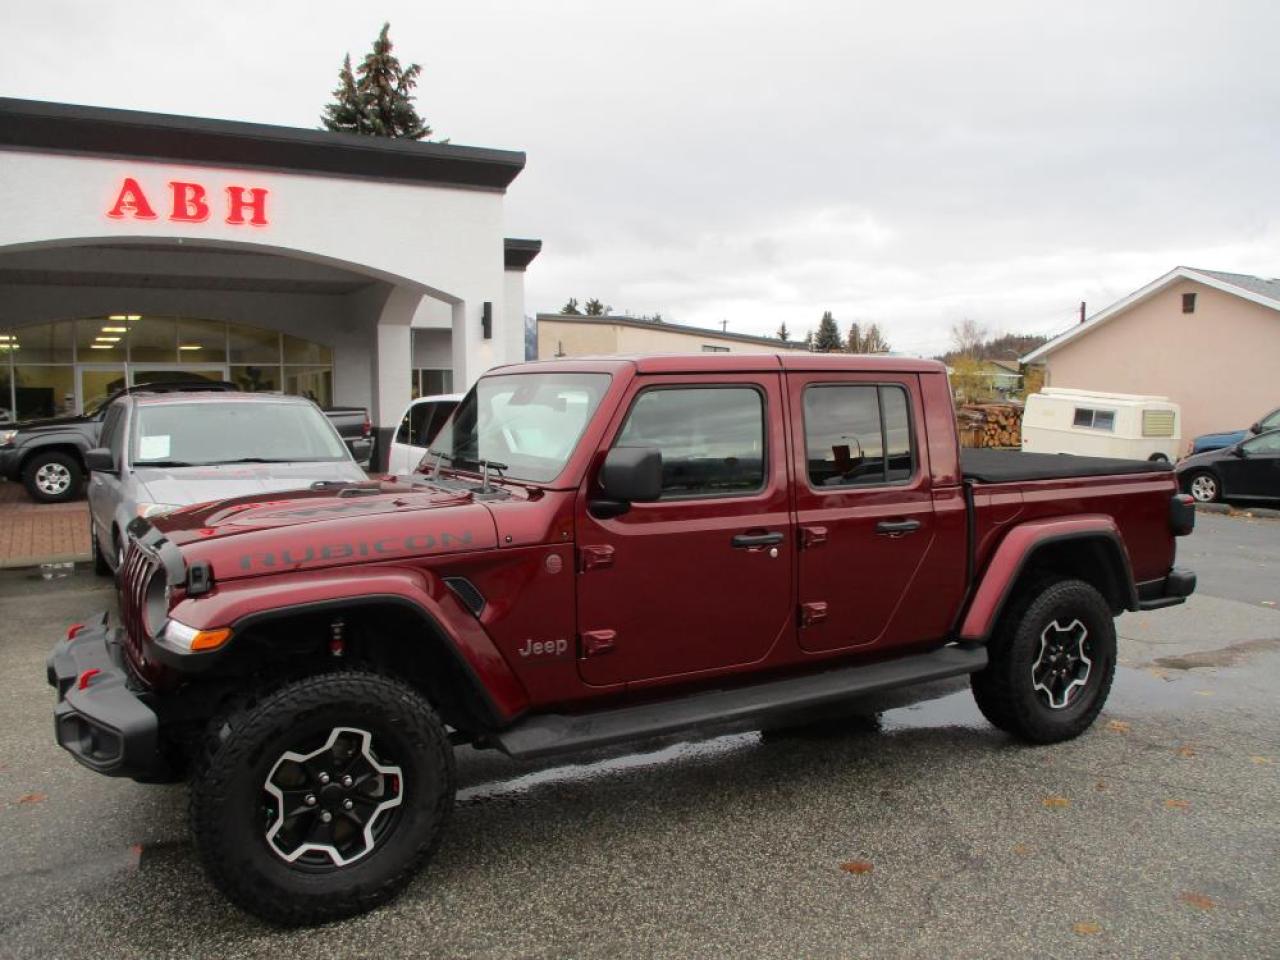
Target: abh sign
(187,202)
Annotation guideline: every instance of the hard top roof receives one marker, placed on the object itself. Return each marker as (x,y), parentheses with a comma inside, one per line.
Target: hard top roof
(212,396)
(730,363)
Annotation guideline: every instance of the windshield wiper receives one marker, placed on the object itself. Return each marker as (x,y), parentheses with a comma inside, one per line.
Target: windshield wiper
(165,463)
(212,463)
(440,456)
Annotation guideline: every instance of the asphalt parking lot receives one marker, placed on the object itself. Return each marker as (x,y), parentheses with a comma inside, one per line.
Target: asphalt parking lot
(925,834)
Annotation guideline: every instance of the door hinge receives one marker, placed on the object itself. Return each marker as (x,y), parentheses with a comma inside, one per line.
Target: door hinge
(812,536)
(812,613)
(595,557)
(595,643)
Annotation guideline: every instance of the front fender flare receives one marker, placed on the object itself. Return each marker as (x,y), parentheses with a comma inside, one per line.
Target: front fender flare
(241,604)
(1014,552)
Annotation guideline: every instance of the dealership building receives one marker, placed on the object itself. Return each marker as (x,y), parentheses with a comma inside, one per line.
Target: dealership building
(140,247)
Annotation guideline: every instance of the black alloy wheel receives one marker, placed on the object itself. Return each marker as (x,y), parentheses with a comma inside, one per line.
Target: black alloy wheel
(324,799)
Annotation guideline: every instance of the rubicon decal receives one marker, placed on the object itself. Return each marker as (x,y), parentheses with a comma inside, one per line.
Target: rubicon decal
(189,202)
(414,543)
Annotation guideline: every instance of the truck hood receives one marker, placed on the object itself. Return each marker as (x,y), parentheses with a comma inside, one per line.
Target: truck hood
(1210,441)
(47,424)
(312,529)
(186,485)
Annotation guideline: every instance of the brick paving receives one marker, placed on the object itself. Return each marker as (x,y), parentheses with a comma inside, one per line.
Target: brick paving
(35,533)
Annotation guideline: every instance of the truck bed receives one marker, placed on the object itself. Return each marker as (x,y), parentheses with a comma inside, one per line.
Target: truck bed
(1010,466)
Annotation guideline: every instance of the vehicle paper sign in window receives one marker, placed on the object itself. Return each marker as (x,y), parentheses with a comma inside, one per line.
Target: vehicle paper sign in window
(154,448)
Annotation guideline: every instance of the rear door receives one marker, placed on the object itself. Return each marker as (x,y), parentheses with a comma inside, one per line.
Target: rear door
(864,509)
(701,579)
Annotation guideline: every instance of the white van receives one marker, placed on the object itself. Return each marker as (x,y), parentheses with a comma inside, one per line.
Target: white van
(1093,424)
(418,427)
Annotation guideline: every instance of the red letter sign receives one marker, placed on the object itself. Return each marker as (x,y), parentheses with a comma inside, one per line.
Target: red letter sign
(188,202)
(131,201)
(255,203)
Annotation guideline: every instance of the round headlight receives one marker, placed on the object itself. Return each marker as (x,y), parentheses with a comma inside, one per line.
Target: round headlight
(155,603)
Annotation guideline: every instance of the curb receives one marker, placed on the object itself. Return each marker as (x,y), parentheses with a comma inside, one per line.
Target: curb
(1226,509)
(21,563)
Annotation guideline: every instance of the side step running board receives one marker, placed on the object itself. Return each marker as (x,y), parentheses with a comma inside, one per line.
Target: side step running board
(545,734)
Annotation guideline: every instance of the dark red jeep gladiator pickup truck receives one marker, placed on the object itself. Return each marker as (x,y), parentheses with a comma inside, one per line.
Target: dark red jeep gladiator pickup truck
(597,551)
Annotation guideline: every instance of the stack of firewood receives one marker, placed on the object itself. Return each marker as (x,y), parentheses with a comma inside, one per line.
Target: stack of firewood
(990,424)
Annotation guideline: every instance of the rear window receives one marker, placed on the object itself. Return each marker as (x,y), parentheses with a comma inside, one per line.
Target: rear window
(857,435)
(202,434)
(1092,419)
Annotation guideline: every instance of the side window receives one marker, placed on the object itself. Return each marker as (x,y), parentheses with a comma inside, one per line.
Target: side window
(113,433)
(439,418)
(857,434)
(1094,419)
(420,417)
(402,434)
(711,438)
(1267,445)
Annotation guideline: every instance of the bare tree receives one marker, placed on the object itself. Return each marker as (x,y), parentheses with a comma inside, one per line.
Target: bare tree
(968,337)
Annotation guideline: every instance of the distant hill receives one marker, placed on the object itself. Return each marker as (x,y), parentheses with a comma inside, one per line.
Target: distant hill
(1007,346)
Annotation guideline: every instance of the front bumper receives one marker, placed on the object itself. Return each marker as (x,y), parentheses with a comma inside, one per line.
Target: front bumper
(1173,589)
(10,461)
(99,719)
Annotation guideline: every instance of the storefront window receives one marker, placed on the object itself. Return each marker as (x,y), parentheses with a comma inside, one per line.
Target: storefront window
(305,351)
(256,379)
(98,340)
(44,343)
(202,341)
(153,340)
(44,391)
(253,346)
(6,384)
(314,383)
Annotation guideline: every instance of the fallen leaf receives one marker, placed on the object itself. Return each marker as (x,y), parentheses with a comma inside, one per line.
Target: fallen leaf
(1158,673)
(856,866)
(1056,801)
(30,798)
(1021,849)
(1086,927)
(1261,760)
(1177,804)
(1100,785)
(1268,603)
(1204,693)
(1118,726)
(1197,900)
(1186,751)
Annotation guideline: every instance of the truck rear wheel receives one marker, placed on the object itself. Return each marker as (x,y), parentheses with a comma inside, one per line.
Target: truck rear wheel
(324,799)
(1052,660)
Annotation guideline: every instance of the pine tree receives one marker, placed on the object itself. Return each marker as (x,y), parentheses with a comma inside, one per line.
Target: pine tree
(828,338)
(595,308)
(808,341)
(378,100)
(783,333)
(571,308)
(872,341)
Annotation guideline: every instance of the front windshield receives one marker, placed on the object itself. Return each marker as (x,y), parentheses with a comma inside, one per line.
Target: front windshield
(528,422)
(239,431)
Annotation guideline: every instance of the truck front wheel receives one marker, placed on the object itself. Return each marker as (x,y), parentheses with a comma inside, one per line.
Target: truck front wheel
(324,799)
(1052,660)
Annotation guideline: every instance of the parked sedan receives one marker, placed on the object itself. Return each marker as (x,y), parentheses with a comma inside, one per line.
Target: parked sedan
(1216,441)
(161,452)
(1248,470)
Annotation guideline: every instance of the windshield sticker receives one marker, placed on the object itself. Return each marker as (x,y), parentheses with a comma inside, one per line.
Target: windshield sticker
(153,448)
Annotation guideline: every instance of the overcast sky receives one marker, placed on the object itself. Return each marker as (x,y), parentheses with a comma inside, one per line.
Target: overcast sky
(907,163)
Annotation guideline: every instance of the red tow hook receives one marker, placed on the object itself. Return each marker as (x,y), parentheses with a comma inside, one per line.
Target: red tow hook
(87,677)
(73,630)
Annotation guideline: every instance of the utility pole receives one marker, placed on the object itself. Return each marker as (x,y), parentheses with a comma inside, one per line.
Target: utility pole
(724,325)
(1082,311)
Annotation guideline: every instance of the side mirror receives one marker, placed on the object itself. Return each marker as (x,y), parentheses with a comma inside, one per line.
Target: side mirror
(1255,428)
(629,475)
(1239,451)
(100,460)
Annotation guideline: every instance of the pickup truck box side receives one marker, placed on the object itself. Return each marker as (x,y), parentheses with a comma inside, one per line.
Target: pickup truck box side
(664,545)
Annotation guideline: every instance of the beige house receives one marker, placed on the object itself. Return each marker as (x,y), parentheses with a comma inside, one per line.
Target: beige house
(569,336)
(1208,340)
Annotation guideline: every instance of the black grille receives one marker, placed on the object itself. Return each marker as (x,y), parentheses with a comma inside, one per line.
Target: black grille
(139,566)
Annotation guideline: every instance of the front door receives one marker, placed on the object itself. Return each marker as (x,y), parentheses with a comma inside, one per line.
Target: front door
(701,579)
(864,507)
(1257,473)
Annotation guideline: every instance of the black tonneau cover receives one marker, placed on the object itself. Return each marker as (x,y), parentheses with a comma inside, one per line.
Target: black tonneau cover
(1008,466)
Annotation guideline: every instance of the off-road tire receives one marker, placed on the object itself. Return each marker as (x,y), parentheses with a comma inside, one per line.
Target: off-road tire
(57,462)
(240,751)
(1005,690)
(100,565)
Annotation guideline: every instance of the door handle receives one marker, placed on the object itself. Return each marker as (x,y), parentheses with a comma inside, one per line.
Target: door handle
(745,541)
(897,528)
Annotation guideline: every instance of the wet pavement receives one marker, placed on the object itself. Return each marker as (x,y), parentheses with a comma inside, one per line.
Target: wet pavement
(920,833)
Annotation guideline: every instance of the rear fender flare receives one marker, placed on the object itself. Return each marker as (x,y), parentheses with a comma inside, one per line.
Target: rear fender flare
(1018,549)
(247,603)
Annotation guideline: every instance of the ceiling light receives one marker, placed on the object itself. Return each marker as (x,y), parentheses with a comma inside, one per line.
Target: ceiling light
(101,346)
(115,329)
(116,316)
(107,339)
(190,346)
(134,316)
